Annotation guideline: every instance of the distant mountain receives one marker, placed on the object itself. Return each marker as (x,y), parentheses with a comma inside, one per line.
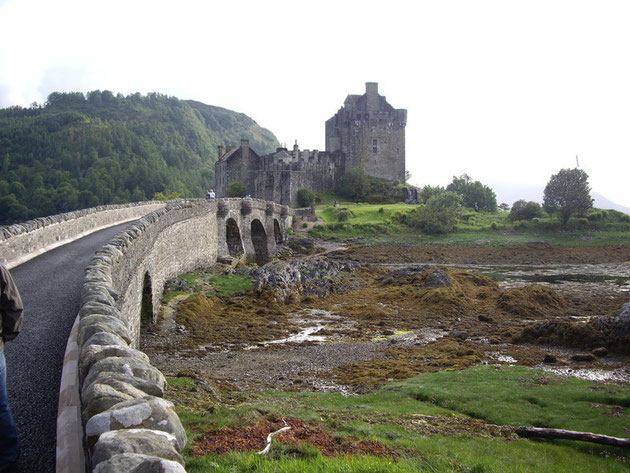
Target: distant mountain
(80,150)
(602,202)
(511,194)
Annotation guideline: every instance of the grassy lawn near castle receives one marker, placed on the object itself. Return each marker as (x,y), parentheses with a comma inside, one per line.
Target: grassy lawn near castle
(380,224)
(439,422)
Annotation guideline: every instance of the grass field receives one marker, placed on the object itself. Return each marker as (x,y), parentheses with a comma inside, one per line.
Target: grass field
(439,422)
(377,224)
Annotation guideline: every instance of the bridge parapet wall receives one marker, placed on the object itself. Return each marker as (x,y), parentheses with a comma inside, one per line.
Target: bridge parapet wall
(116,390)
(23,241)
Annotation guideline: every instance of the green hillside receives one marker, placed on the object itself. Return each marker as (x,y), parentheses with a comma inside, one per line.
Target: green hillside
(80,151)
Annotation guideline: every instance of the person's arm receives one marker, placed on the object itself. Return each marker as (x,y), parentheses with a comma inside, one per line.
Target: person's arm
(11,306)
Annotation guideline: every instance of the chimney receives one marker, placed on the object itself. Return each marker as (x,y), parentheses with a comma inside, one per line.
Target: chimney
(220,150)
(245,148)
(371,90)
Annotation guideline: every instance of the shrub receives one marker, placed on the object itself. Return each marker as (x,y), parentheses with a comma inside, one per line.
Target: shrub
(357,186)
(343,215)
(439,215)
(578,222)
(522,210)
(236,189)
(306,197)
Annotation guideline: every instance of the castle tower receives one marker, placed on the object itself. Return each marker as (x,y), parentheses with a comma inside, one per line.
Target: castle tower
(371,133)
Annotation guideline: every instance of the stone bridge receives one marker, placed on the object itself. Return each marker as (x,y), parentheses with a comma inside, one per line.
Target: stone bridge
(111,411)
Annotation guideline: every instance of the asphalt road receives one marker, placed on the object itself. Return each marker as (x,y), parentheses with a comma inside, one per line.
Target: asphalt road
(50,288)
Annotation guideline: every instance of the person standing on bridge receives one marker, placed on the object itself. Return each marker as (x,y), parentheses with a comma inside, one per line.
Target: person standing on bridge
(11,311)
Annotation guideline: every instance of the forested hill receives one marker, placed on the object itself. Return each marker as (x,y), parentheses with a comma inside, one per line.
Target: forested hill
(80,151)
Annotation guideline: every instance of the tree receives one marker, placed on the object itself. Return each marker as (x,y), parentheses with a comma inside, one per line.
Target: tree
(306,197)
(522,210)
(236,189)
(439,215)
(354,184)
(505,207)
(473,193)
(568,193)
(429,191)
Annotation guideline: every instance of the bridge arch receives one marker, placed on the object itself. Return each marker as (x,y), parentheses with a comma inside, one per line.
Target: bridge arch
(146,309)
(277,232)
(233,238)
(259,241)
(126,278)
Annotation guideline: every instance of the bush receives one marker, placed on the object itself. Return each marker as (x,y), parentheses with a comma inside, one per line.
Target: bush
(343,215)
(306,197)
(357,186)
(439,215)
(578,222)
(522,210)
(236,189)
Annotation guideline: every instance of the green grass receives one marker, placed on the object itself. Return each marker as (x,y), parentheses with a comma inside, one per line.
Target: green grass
(364,213)
(168,296)
(228,285)
(501,395)
(375,224)
(180,381)
(522,396)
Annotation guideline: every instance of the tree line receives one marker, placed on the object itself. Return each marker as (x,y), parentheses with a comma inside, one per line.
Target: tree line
(78,151)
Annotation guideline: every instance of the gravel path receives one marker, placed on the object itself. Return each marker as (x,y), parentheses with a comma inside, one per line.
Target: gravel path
(50,288)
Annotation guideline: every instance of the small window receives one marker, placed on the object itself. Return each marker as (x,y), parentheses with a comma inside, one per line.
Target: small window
(374,146)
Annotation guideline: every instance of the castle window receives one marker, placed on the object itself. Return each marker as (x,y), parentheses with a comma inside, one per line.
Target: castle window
(374,146)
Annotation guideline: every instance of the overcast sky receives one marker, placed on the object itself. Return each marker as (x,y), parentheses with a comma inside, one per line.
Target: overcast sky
(508,92)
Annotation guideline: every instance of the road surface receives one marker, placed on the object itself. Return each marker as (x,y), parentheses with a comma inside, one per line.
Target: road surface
(50,286)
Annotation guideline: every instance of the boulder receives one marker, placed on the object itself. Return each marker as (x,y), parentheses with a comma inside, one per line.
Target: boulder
(95,292)
(621,322)
(92,324)
(104,338)
(580,357)
(113,379)
(600,352)
(137,463)
(96,308)
(93,353)
(438,278)
(144,413)
(126,366)
(155,443)
(99,397)
(309,276)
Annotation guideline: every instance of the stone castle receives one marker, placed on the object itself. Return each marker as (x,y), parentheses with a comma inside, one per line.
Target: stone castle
(367,132)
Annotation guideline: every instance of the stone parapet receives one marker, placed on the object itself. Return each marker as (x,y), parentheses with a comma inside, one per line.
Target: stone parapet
(23,241)
(117,394)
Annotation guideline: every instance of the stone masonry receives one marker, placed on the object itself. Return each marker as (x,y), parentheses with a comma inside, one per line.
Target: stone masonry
(367,132)
(111,396)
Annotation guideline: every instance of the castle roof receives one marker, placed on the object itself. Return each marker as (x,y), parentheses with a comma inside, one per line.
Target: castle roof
(229,154)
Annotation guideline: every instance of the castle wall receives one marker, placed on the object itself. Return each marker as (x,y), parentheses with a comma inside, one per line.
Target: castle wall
(367,132)
(371,133)
(279,180)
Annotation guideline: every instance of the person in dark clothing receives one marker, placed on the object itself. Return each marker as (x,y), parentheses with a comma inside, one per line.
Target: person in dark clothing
(10,323)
